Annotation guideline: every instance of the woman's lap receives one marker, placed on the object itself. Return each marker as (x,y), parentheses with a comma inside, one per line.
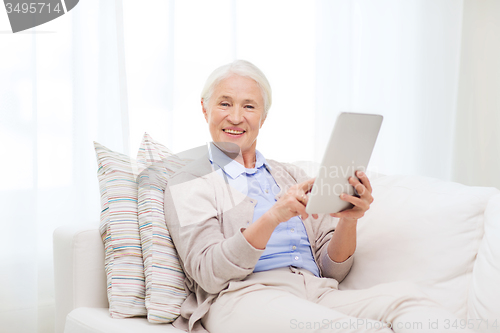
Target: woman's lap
(284,301)
(269,309)
(294,300)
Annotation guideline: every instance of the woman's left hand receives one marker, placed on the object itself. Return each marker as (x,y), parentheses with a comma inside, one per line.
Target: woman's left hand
(361,204)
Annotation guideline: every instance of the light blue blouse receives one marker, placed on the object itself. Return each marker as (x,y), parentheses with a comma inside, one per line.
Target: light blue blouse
(288,245)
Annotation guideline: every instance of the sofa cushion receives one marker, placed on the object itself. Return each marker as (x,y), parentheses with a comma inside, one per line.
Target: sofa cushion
(117,174)
(483,303)
(423,230)
(97,320)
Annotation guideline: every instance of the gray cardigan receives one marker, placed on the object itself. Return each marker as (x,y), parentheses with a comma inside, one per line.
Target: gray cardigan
(206,218)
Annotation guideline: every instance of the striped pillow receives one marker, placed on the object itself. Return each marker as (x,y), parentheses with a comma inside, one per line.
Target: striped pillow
(119,229)
(164,276)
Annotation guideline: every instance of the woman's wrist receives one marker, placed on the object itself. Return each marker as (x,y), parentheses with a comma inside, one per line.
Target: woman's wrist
(271,218)
(345,220)
(259,232)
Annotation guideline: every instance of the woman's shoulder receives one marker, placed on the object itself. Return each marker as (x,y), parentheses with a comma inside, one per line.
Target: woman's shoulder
(295,171)
(197,168)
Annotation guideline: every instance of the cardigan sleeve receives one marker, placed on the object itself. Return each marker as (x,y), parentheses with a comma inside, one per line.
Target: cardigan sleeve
(206,255)
(333,269)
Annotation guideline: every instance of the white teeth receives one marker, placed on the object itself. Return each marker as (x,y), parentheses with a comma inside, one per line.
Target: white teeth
(232,131)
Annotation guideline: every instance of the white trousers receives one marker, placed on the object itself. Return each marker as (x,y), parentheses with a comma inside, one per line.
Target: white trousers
(291,299)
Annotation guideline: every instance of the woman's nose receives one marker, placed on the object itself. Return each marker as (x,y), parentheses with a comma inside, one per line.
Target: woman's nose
(236,115)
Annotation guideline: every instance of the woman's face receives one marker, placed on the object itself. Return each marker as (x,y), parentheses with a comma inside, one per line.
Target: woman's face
(235,112)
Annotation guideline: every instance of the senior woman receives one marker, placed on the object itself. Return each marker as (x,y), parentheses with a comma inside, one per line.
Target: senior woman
(253,258)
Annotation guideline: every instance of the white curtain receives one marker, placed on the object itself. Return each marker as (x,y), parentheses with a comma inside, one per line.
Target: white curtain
(108,71)
(476,146)
(62,85)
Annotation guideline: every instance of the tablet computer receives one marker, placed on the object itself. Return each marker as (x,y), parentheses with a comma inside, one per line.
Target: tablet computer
(349,150)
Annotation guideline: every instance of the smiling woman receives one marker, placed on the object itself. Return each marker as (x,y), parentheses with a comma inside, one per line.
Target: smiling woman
(98,74)
(247,251)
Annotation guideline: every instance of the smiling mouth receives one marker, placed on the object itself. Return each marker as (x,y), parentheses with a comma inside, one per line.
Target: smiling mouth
(233,132)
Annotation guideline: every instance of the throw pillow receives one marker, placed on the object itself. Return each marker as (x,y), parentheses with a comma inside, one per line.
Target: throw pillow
(119,227)
(164,276)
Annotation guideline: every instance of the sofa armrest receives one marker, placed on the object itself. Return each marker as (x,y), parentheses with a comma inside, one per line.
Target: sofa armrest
(79,276)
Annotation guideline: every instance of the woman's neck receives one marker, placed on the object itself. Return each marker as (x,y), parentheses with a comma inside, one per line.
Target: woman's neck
(247,159)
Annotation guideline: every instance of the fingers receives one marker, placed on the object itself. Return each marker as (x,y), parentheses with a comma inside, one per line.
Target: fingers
(302,197)
(295,201)
(349,214)
(307,185)
(363,192)
(364,179)
(300,190)
(357,202)
(357,212)
(300,209)
(361,204)
(298,194)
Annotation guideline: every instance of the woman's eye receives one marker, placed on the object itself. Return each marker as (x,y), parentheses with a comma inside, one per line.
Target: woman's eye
(249,106)
(224,104)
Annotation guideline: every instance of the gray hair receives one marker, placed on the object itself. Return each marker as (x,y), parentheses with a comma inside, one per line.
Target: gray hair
(241,68)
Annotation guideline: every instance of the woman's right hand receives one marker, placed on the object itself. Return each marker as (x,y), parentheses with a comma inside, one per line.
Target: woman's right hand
(292,203)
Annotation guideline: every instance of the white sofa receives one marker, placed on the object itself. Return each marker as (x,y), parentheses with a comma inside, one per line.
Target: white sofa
(441,235)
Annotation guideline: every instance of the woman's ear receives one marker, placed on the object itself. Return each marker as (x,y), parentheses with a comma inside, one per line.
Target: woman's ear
(204,109)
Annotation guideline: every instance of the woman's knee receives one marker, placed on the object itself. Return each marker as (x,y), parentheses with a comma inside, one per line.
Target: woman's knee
(409,294)
(405,288)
